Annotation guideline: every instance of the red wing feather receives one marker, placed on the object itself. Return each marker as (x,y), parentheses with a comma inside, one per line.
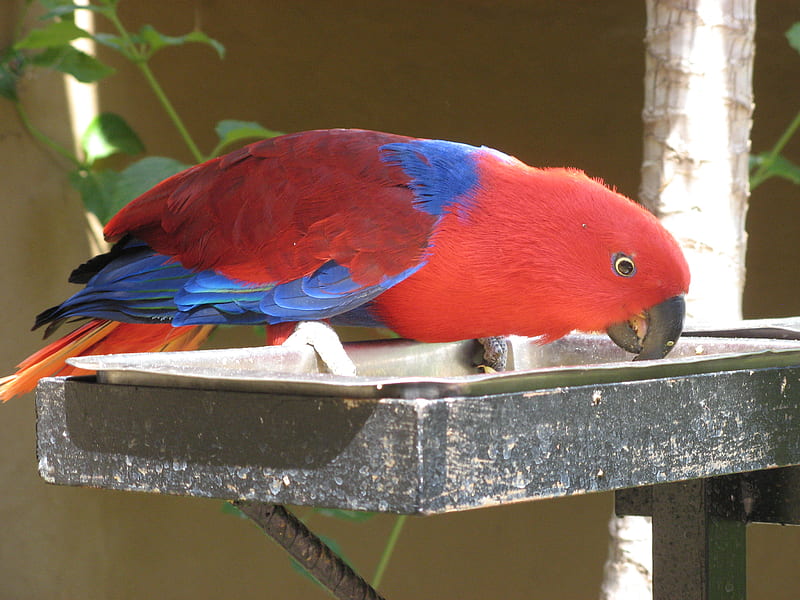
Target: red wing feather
(279,209)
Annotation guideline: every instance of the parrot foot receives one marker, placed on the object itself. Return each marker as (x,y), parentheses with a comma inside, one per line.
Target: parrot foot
(326,343)
(495,354)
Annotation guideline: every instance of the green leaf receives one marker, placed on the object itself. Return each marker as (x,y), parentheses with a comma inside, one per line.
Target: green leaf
(53,4)
(355,516)
(109,134)
(97,190)
(81,66)
(11,66)
(60,9)
(229,508)
(56,33)
(201,38)
(230,131)
(157,40)
(105,192)
(8,84)
(141,176)
(793,36)
(780,167)
(112,41)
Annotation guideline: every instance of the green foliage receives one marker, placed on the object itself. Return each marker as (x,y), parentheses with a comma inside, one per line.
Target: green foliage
(355,516)
(55,34)
(767,165)
(140,176)
(104,190)
(11,66)
(779,166)
(142,46)
(230,132)
(793,36)
(69,60)
(152,41)
(229,508)
(96,189)
(106,135)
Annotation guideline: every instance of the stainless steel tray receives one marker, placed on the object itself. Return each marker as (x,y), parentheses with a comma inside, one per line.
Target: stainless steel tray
(404,369)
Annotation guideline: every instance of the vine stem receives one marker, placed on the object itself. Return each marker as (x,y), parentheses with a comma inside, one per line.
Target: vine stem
(52,144)
(388,550)
(761,173)
(140,60)
(170,110)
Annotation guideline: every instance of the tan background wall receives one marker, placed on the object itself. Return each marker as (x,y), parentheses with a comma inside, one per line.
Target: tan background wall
(555,83)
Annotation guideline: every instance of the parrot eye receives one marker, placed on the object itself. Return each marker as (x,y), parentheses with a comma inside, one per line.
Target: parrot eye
(623,265)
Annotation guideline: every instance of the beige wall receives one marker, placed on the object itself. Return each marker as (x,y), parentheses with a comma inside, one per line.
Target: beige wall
(554,83)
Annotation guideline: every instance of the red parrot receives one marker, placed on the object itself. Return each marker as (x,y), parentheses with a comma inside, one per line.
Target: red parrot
(435,240)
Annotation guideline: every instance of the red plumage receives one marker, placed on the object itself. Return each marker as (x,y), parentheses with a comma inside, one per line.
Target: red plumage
(534,260)
(279,209)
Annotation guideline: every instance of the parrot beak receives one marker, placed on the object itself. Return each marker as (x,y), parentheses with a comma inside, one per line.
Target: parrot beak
(653,333)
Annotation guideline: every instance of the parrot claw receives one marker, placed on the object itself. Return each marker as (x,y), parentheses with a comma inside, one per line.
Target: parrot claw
(495,354)
(326,344)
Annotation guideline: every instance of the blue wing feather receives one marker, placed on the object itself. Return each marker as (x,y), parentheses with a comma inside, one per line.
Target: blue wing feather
(141,285)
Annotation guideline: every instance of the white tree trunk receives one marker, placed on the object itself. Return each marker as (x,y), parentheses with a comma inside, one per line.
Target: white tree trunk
(697,118)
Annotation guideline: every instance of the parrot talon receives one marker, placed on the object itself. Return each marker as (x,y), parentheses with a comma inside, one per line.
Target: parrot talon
(495,354)
(326,344)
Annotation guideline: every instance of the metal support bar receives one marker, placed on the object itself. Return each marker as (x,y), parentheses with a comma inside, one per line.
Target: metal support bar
(310,551)
(765,496)
(699,528)
(698,551)
(772,496)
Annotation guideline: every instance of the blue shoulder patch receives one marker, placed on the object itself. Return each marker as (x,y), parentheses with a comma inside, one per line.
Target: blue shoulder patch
(442,173)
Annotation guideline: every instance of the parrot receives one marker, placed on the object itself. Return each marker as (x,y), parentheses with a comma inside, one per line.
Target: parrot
(434,240)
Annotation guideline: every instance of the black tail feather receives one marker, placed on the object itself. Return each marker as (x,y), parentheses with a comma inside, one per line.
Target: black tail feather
(93,266)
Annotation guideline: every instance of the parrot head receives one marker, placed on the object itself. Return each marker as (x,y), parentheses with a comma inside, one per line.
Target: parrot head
(633,273)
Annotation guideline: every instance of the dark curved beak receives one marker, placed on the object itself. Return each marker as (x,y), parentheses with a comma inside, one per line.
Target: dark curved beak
(654,333)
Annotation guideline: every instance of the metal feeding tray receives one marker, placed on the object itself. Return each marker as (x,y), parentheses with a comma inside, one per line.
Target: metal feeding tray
(417,432)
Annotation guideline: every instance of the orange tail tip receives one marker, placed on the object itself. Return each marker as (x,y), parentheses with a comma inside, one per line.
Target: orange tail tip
(99,337)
